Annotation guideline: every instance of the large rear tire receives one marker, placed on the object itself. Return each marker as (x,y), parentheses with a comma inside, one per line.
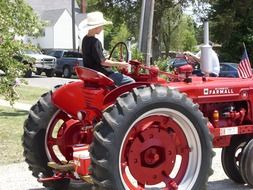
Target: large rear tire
(37,151)
(152,137)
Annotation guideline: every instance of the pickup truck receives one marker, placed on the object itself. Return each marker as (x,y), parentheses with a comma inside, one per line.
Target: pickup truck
(42,63)
(66,61)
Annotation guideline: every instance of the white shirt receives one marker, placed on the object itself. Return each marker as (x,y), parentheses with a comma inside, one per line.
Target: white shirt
(215,62)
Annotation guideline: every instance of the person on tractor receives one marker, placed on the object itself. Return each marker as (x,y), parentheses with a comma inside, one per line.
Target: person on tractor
(92,50)
(214,57)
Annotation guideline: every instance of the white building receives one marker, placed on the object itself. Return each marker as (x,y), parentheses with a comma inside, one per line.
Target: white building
(58,31)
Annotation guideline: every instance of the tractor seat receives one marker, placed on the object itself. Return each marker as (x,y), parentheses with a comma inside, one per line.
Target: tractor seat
(93,77)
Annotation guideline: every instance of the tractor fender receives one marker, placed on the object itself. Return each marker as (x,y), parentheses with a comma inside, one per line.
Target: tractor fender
(75,97)
(112,95)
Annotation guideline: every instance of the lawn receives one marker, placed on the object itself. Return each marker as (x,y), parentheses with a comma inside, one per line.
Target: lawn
(28,94)
(11,125)
(11,130)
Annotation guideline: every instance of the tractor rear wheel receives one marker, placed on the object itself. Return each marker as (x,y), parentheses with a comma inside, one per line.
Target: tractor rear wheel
(246,166)
(49,135)
(153,137)
(231,158)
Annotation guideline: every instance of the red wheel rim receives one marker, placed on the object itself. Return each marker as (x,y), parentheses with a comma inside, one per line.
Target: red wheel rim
(62,133)
(150,151)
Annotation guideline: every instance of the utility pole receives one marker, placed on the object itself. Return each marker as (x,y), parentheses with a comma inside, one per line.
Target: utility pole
(73,25)
(146,29)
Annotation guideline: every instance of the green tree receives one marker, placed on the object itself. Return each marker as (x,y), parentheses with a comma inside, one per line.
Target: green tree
(121,35)
(171,20)
(16,19)
(231,25)
(129,12)
(184,37)
(113,36)
(126,12)
(178,32)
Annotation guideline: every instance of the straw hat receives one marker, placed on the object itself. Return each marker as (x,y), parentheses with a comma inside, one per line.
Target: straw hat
(93,20)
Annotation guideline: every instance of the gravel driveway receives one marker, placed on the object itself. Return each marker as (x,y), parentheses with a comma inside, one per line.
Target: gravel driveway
(17,177)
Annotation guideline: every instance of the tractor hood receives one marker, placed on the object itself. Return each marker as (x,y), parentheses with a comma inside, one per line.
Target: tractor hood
(215,89)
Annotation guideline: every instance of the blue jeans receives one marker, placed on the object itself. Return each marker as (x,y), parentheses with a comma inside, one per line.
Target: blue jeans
(120,79)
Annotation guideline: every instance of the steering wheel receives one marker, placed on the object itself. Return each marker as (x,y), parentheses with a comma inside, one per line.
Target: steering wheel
(120,46)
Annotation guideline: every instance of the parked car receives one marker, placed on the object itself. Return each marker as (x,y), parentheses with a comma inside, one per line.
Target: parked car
(229,70)
(27,61)
(66,61)
(226,69)
(37,62)
(43,63)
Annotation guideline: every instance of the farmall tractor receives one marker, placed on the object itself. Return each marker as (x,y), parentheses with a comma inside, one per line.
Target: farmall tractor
(156,133)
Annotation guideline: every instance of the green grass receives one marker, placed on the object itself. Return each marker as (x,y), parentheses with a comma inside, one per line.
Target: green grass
(11,125)
(11,130)
(28,94)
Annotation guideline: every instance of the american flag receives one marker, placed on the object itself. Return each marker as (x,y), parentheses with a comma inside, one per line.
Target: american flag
(244,67)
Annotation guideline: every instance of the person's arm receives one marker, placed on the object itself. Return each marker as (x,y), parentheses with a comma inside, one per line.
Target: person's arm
(100,58)
(193,56)
(110,63)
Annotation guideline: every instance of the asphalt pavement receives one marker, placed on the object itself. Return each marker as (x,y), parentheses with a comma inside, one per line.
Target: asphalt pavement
(47,82)
(18,177)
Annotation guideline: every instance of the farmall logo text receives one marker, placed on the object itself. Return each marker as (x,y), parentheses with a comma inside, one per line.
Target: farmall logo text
(218,91)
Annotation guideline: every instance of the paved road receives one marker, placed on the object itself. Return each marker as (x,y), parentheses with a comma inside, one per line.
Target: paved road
(46,82)
(17,176)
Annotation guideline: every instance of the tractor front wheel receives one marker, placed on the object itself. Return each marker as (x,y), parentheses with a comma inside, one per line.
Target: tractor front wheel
(153,137)
(231,158)
(246,166)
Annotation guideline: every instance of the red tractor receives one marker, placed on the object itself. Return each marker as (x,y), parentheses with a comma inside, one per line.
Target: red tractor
(156,133)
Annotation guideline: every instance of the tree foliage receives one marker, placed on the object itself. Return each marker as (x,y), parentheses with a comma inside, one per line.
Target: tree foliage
(167,16)
(121,13)
(16,19)
(178,32)
(127,12)
(231,25)
(184,37)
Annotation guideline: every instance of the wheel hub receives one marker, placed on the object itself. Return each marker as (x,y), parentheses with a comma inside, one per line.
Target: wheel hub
(152,153)
(151,156)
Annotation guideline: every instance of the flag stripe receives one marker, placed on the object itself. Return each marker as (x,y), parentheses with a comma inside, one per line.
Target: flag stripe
(244,67)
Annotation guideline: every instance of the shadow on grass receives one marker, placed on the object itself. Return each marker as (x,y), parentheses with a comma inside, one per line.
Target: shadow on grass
(14,113)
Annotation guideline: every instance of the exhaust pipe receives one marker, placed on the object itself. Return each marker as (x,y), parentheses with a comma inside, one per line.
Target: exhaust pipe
(205,59)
